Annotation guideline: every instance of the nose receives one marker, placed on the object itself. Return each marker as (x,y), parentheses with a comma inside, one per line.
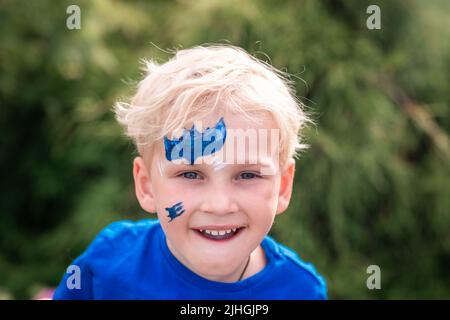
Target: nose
(219,199)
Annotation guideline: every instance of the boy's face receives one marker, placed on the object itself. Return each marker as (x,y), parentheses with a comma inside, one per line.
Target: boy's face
(197,203)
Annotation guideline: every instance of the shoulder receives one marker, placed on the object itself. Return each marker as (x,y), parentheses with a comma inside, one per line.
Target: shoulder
(102,266)
(128,229)
(302,275)
(124,236)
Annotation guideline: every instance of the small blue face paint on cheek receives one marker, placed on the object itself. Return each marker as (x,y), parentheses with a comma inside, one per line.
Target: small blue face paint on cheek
(194,144)
(175,211)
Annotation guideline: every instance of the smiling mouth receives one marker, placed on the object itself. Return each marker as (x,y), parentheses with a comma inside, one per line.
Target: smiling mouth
(219,235)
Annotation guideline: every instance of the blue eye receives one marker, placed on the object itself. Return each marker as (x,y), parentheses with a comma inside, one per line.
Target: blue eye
(190,175)
(248,175)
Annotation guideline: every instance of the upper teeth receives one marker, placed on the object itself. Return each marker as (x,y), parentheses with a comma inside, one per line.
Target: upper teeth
(218,232)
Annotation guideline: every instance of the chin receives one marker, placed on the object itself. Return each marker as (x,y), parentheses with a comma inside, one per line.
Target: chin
(215,268)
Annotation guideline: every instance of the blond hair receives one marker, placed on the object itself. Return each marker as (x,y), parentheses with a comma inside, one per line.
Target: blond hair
(198,81)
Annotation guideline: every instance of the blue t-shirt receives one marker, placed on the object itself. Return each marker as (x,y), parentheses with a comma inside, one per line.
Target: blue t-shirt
(131,260)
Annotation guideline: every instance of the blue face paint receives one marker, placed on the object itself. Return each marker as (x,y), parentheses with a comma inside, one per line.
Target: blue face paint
(194,144)
(175,210)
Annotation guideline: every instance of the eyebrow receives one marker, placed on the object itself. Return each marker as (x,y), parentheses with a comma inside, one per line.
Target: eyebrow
(207,165)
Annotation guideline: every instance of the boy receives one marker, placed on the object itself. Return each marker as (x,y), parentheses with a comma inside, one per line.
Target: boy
(217,131)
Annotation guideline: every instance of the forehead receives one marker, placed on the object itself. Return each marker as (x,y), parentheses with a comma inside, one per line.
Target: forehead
(231,139)
(255,121)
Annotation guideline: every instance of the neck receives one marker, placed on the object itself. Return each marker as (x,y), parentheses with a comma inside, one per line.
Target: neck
(256,263)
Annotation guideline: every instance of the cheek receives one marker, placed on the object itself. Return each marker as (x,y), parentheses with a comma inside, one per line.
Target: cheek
(175,201)
(264,191)
(173,220)
(173,206)
(168,192)
(260,199)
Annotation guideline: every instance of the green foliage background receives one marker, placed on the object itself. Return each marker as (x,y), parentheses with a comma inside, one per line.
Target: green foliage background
(373,188)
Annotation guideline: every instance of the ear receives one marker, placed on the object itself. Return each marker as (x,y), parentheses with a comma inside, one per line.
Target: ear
(286,183)
(143,186)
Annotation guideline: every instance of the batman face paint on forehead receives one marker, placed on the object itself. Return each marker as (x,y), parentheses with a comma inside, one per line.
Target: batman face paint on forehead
(193,144)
